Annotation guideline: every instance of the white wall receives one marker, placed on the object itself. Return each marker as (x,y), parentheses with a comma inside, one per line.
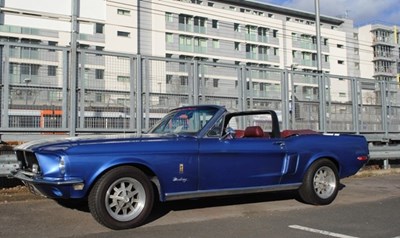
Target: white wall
(51,6)
(92,9)
(34,22)
(366,52)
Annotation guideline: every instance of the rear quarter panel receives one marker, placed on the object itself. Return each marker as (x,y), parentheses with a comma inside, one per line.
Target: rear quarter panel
(343,150)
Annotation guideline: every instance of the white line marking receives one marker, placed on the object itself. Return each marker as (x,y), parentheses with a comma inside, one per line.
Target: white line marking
(327,233)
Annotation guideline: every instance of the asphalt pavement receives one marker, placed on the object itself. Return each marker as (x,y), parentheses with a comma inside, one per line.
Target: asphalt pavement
(365,207)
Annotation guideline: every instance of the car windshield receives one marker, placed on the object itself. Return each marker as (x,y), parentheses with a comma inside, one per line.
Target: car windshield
(184,121)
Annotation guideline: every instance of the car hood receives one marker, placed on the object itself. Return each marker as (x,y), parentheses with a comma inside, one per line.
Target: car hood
(66,143)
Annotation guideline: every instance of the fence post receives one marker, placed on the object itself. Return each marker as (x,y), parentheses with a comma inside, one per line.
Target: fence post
(242,88)
(132,103)
(354,99)
(385,106)
(64,106)
(6,86)
(139,91)
(285,99)
(82,90)
(73,68)
(250,91)
(195,86)
(322,102)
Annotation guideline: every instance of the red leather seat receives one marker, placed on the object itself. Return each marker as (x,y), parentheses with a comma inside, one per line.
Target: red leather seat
(253,131)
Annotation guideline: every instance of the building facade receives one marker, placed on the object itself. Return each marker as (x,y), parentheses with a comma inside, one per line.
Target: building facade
(221,32)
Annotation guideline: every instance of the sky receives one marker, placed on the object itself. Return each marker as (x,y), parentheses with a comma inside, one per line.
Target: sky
(363,12)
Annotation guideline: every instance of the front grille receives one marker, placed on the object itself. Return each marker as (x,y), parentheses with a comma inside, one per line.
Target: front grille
(27,160)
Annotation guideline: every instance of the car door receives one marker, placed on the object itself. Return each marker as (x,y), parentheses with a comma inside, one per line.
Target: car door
(241,162)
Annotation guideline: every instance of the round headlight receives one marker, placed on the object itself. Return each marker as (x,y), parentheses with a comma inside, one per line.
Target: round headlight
(61,166)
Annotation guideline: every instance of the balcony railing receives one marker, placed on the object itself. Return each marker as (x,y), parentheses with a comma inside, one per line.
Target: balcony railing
(28,31)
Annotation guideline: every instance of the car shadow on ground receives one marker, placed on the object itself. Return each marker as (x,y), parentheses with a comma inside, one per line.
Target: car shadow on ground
(161,209)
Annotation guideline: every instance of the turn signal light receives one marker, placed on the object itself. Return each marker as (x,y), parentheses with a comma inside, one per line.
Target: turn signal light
(362,158)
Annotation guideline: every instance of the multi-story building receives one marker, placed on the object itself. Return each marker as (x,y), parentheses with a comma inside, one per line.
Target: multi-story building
(383,62)
(236,32)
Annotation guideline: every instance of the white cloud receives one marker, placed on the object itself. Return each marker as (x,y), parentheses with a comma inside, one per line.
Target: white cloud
(361,11)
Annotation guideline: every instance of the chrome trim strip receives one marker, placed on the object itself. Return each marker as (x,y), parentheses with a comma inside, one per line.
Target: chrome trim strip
(37,180)
(231,191)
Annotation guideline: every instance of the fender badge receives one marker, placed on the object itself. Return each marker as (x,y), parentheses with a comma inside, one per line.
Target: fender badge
(182,180)
(181,168)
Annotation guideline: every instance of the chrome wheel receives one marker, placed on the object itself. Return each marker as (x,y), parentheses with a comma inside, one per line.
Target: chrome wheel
(125,199)
(320,183)
(324,182)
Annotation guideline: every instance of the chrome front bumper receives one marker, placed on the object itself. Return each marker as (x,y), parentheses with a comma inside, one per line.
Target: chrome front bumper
(35,179)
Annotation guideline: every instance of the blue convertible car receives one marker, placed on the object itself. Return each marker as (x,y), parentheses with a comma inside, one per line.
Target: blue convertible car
(193,152)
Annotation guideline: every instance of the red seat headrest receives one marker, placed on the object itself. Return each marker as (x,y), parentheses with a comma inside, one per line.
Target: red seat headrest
(253,131)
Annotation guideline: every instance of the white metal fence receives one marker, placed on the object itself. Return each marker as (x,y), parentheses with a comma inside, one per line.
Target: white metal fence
(116,92)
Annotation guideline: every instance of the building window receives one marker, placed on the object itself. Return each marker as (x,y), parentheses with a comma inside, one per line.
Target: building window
(215,83)
(342,95)
(215,24)
(99,73)
(52,43)
(169,17)
(356,51)
(123,78)
(51,70)
(99,28)
(168,79)
(169,38)
(340,61)
(275,33)
(276,51)
(123,12)
(184,80)
(215,44)
(210,4)
(99,97)
(357,65)
(237,46)
(123,33)
(30,69)
(186,43)
(326,57)
(236,27)
(340,46)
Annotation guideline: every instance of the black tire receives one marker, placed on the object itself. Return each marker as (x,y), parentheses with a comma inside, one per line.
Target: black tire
(122,198)
(320,183)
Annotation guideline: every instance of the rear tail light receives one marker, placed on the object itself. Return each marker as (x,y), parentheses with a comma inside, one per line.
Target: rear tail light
(362,158)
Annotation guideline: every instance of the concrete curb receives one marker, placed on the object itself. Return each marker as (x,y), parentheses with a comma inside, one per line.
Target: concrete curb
(377,172)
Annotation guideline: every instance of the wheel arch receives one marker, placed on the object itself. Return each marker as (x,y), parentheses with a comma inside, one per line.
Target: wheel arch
(142,167)
(329,157)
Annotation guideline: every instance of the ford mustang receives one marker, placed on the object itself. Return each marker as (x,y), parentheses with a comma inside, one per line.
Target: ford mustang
(193,152)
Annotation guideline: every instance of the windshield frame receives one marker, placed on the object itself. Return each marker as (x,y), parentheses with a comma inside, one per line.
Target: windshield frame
(191,120)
